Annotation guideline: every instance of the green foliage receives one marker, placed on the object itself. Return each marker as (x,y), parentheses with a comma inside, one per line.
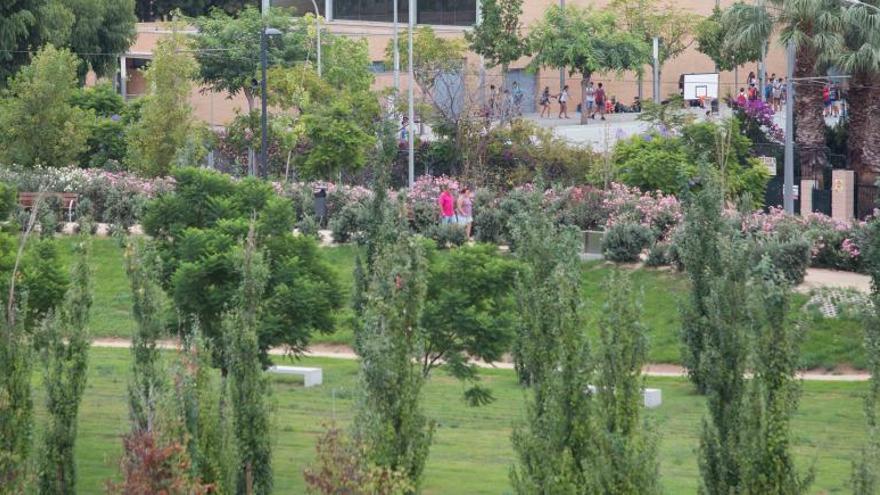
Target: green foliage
(711,37)
(433,56)
(39,124)
(100,98)
(94,30)
(65,359)
(585,41)
(147,381)
(650,18)
(198,227)
(166,114)
(447,235)
(336,140)
(468,312)
(43,280)
(227,47)
(555,445)
(626,445)
(775,388)
(865,477)
(498,37)
(16,403)
(666,117)
(624,242)
(790,257)
(345,63)
(653,163)
(698,245)
(248,385)
(396,433)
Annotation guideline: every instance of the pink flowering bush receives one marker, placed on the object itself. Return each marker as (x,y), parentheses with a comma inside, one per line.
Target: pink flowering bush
(656,211)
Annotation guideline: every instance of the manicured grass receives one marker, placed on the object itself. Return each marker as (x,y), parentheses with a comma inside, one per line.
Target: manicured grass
(828,342)
(471,452)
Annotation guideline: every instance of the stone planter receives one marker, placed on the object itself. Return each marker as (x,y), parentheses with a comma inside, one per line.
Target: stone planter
(593,242)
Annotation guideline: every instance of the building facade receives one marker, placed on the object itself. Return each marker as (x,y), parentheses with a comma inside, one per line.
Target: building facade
(373,20)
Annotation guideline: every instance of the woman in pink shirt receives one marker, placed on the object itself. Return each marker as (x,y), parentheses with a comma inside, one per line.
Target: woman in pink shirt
(447,206)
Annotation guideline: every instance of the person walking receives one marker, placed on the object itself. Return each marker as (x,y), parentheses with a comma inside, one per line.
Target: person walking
(447,206)
(464,210)
(741,97)
(563,102)
(590,106)
(777,95)
(600,101)
(518,97)
(545,101)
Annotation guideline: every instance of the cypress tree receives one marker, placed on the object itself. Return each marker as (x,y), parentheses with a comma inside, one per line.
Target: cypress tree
(389,420)
(249,387)
(626,445)
(65,357)
(16,402)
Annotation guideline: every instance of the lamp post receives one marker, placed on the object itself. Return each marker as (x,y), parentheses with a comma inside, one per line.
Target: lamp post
(396,53)
(410,131)
(788,175)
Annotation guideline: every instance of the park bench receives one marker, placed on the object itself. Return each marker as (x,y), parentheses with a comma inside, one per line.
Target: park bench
(652,397)
(67,201)
(311,376)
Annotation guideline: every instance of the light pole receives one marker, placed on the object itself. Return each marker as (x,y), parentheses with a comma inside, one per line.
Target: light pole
(396,53)
(265,32)
(788,179)
(410,131)
(318,31)
(656,70)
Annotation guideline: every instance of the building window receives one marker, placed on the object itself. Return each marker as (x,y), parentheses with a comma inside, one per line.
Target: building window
(442,12)
(378,67)
(300,7)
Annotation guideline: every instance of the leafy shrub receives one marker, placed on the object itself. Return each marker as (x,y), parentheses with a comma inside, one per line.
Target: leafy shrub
(447,235)
(790,257)
(624,242)
(347,223)
(659,254)
(308,226)
(121,209)
(654,163)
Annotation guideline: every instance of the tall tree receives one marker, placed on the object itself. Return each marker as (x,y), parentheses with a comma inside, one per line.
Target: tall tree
(710,35)
(774,388)
(811,26)
(40,125)
(227,48)
(20,32)
(65,357)
(390,421)
(626,446)
(498,37)
(554,446)
(860,58)
(166,113)
(249,387)
(585,41)
(649,19)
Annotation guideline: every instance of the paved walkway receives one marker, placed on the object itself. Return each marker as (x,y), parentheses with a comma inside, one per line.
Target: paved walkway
(344,352)
(820,278)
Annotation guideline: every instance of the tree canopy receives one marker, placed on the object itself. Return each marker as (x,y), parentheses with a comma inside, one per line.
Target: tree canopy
(498,37)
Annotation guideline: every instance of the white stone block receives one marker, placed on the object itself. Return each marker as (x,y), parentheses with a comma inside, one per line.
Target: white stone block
(311,376)
(651,397)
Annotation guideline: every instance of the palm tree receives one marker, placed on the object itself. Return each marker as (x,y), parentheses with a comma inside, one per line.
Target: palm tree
(812,26)
(860,57)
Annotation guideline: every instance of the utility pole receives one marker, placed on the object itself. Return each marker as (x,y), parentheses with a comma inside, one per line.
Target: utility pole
(788,187)
(656,70)
(412,82)
(396,54)
(264,117)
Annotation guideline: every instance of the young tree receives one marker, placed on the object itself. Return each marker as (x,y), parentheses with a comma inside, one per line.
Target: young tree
(147,383)
(65,357)
(389,419)
(39,124)
(711,34)
(650,19)
(626,446)
(774,389)
(585,41)
(166,113)
(724,440)
(555,446)
(150,465)
(249,387)
(498,37)
(865,475)
(699,248)
(227,47)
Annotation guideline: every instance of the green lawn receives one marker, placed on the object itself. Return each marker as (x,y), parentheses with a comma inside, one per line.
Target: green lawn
(471,453)
(828,342)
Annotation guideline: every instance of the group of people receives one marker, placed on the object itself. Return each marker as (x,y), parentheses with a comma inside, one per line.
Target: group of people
(832,99)
(596,101)
(456,209)
(774,91)
(505,103)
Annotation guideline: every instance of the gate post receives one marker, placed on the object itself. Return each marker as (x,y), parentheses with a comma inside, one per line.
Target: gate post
(843,184)
(807,186)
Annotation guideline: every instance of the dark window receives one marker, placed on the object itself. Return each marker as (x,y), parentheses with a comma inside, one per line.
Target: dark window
(300,7)
(378,67)
(442,12)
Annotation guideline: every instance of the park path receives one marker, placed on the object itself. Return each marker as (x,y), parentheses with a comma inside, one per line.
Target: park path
(652,370)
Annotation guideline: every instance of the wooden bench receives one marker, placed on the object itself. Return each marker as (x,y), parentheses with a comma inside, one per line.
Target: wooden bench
(27,200)
(311,376)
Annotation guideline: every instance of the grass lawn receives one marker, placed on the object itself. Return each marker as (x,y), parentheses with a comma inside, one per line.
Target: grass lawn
(471,453)
(828,342)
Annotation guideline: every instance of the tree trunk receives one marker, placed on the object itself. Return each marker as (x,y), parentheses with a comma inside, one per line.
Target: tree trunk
(249,96)
(808,120)
(863,145)
(585,81)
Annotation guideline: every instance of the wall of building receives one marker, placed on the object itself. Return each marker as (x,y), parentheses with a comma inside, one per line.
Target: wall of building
(219,109)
